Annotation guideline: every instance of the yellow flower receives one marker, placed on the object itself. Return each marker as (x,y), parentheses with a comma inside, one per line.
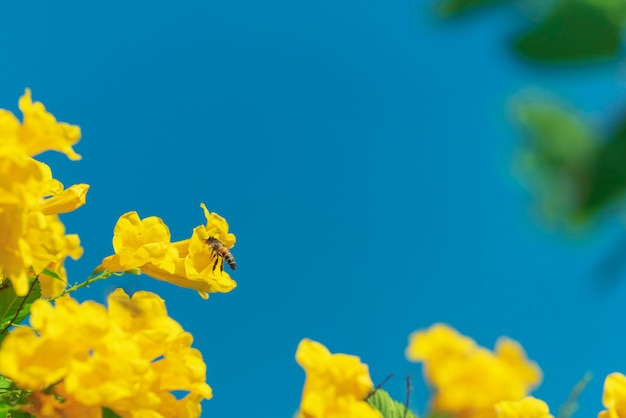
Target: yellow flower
(130,358)
(529,407)
(191,263)
(614,396)
(336,384)
(30,198)
(469,380)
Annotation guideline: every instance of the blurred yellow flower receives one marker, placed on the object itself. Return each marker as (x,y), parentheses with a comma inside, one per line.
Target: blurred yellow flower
(336,384)
(614,396)
(190,263)
(469,380)
(33,237)
(529,407)
(130,358)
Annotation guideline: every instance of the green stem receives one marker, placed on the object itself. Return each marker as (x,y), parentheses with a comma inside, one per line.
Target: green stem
(94,277)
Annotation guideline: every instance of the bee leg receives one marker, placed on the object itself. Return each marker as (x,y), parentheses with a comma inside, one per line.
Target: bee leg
(222,265)
(217,260)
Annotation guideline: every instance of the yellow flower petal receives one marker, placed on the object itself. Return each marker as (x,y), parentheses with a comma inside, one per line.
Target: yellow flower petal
(528,407)
(336,384)
(67,201)
(40,130)
(217,227)
(614,396)
(440,341)
(137,242)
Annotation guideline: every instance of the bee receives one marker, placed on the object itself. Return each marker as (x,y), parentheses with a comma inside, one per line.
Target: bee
(221,253)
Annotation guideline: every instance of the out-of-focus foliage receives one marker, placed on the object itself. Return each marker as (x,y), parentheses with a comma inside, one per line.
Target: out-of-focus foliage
(570,406)
(456,7)
(575,169)
(575,30)
(567,31)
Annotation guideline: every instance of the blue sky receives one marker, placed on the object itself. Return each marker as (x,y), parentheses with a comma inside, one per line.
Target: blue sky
(361,153)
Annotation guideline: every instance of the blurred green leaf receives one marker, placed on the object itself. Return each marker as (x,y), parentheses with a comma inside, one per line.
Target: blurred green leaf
(387,406)
(108,413)
(556,157)
(5,383)
(570,406)
(450,8)
(20,414)
(576,172)
(574,30)
(607,175)
(557,136)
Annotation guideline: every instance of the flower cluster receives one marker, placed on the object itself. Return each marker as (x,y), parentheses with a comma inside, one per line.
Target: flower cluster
(130,357)
(33,238)
(469,380)
(145,244)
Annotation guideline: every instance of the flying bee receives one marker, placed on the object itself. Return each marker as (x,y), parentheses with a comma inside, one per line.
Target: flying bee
(221,253)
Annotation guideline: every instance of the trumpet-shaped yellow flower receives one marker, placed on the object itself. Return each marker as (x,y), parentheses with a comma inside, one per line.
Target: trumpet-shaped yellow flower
(130,358)
(30,198)
(614,396)
(336,384)
(469,380)
(529,407)
(190,263)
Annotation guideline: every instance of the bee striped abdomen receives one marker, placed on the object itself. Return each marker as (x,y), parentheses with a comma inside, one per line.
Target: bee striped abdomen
(230,260)
(220,250)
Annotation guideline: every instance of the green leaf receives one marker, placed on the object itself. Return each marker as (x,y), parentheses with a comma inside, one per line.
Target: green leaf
(108,413)
(52,274)
(13,308)
(388,407)
(574,30)
(5,383)
(451,8)
(20,414)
